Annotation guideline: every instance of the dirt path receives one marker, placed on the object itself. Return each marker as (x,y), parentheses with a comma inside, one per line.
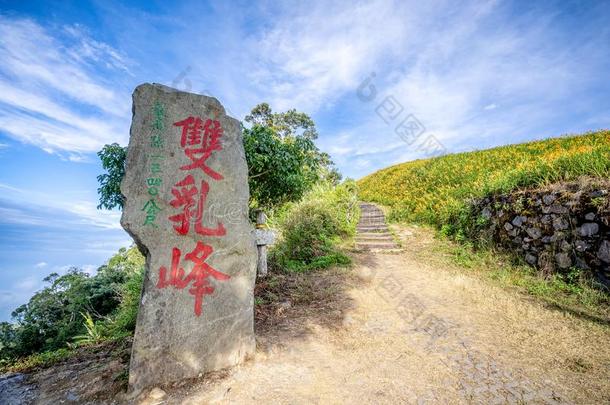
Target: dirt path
(419,332)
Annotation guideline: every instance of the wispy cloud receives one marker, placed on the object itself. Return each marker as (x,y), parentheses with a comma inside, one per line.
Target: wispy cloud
(313,53)
(449,64)
(19,216)
(28,207)
(54,88)
(454,65)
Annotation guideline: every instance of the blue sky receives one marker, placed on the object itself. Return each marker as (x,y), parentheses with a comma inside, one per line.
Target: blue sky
(474,74)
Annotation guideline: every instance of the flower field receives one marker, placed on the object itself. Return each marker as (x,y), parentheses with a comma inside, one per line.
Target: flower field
(436,191)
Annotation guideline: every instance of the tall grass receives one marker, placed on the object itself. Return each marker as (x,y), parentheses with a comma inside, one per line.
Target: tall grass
(436,191)
(312,230)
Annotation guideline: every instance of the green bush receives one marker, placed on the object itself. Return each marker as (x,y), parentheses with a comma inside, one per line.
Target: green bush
(123,321)
(312,229)
(35,360)
(53,318)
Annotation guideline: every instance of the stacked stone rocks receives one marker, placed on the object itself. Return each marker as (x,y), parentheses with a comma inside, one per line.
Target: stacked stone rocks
(553,228)
(373,233)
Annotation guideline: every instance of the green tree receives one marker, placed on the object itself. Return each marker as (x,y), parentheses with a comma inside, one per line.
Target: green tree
(289,123)
(53,316)
(113,161)
(8,340)
(280,169)
(283,160)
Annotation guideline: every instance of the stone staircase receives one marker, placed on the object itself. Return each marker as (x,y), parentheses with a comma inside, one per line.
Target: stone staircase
(372,231)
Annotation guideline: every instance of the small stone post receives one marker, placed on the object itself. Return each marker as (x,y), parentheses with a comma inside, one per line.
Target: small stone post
(263,238)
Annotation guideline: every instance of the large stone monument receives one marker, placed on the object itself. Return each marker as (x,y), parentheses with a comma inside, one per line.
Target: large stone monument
(186,206)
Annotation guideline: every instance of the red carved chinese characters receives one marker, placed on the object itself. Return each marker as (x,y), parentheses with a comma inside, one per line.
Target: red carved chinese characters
(200,146)
(199,275)
(199,140)
(184,193)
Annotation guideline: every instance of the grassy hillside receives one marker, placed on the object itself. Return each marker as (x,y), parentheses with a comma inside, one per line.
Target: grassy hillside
(435,191)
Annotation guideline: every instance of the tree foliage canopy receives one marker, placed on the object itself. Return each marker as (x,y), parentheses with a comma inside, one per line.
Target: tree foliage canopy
(280,169)
(289,123)
(113,161)
(53,316)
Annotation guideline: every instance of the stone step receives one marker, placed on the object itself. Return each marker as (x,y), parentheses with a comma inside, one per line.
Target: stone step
(374,236)
(371,240)
(370,246)
(373,232)
(375,228)
(371,224)
(372,218)
(371,212)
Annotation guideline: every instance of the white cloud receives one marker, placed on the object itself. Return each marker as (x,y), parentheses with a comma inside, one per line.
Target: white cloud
(313,53)
(29,52)
(462,57)
(40,265)
(19,216)
(55,128)
(89,214)
(54,93)
(447,63)
(90,269)
(67,213)
(87,268)
(73,157)
(90,50)
(27,284)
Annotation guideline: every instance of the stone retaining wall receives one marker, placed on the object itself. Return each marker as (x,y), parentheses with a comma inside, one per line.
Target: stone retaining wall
(554,228)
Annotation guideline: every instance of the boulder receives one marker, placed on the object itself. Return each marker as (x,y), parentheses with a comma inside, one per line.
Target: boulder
(548,199)
(603,253)
(588,229)
(186,206)
(563,260)
(519,220)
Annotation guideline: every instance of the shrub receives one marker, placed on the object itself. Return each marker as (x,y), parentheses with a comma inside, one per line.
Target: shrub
(123,321)
(93,333)
(312,229)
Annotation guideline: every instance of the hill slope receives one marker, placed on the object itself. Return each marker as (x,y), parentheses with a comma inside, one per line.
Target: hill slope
(436,190)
